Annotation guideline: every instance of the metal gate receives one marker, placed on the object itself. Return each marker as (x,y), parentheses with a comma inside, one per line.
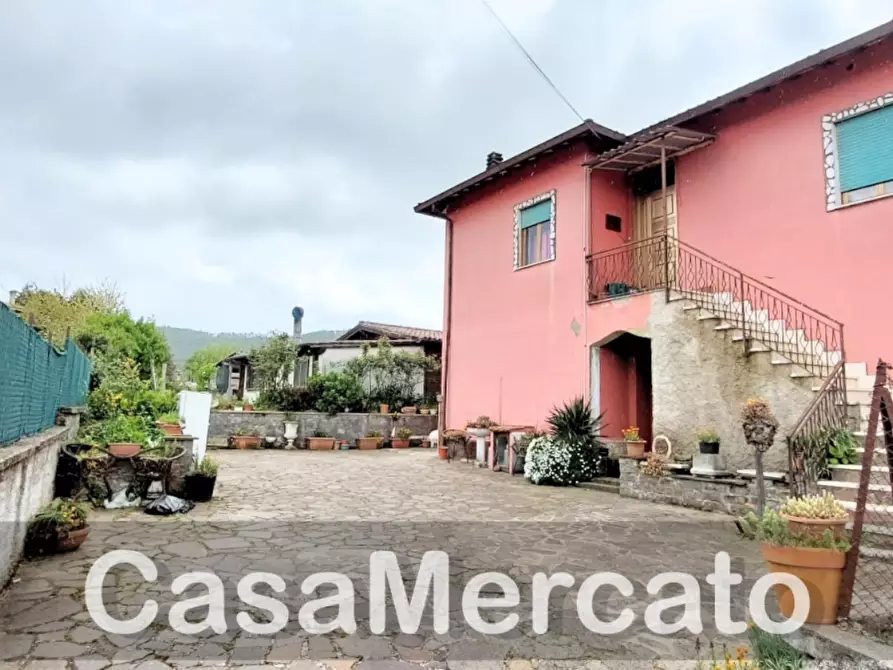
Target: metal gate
(868,578)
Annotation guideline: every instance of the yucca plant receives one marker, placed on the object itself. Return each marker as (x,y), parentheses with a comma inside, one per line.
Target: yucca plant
(573,423)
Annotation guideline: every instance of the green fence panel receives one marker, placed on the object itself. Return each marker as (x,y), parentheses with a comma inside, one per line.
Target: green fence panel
(36,379)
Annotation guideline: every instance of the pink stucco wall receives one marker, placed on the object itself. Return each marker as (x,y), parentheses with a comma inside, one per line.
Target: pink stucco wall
(610,195)
(517,346)
(756,199)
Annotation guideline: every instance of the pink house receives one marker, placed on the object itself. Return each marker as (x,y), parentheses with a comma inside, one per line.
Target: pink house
(736,249)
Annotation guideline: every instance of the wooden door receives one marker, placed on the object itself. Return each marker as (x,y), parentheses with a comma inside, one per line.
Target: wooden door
(653,219)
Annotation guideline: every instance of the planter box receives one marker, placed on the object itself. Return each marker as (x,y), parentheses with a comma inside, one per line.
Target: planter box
(369,442)
(170,428)
(246,441)
(400,444)
(320,443)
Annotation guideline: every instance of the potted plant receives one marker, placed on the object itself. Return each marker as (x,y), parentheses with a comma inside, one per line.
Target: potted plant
(384,408)
(200,480)
(813,515)
(225,405)
(480,427)
(410,409)
(59,526)
(635,445)
(247,407)
(401,438)
(245,438)
(372,440)
(321,441)
(817,560)
(170,423)
(124,436)
(708,441)
(291,430)
(424,409)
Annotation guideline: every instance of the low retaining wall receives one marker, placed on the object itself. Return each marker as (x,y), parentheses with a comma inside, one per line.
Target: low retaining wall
(733,496)
(340,426)
(27,474)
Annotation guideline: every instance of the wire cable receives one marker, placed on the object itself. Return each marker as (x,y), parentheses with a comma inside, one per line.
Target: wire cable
(530,58)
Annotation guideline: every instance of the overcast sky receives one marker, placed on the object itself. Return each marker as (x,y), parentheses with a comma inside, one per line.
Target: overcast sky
(224,160)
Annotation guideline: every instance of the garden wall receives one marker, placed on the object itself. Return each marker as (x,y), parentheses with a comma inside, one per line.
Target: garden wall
(729,495)
(341,426)
(27,473)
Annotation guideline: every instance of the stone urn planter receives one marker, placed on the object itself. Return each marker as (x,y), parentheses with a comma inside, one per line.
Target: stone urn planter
(821,570)
(291,433)
(320,443)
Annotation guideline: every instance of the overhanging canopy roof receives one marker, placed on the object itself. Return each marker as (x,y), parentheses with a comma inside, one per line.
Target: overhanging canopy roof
(647,148)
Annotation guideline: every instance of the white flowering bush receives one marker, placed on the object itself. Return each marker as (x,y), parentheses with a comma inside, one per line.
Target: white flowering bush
(551,460)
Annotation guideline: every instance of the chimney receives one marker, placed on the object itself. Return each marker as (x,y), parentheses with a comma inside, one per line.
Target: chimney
(12,297)
(298,315)
(493,158)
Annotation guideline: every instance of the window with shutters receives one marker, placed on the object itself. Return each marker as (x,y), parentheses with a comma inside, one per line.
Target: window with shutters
(534,230)
(859,153)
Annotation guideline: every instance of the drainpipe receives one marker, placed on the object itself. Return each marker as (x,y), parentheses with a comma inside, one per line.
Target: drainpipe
(447,323)
(587,249)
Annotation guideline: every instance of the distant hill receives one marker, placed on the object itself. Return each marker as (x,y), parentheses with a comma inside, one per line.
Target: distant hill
(184,341)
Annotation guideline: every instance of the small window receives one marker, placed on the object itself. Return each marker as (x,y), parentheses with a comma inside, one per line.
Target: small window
(865,155)
(613,223)
(536,232)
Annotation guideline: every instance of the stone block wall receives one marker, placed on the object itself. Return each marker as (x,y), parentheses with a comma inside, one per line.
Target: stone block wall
(27,475)
(340,426)
(733,496)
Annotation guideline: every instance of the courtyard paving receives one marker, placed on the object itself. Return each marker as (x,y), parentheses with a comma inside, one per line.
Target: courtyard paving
(295,513)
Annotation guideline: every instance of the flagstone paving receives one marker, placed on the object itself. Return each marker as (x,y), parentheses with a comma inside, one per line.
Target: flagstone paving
(295,512)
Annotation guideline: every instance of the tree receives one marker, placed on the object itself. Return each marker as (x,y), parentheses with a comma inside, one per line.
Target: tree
(201,367)
(118,336)
(274,361)
(61,312)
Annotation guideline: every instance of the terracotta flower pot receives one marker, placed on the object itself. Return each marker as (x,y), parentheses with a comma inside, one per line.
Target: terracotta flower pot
(383,408)
(635,448)
(821,570)
(72,539)
(247,407)
(368,443)
(170,428)
(817,527)
(124,449)
(320,443)
(246,441)
(410,410)
(443,453)
(400,444)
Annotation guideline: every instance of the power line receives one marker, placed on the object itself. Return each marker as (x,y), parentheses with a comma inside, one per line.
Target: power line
(530,58)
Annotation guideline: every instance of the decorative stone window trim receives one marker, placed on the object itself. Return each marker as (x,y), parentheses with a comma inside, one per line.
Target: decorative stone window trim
(833,195)
(516,229)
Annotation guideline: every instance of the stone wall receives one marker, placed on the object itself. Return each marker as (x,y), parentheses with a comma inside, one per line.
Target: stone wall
(27,474)
(732,496)
(701,379)
(340,426)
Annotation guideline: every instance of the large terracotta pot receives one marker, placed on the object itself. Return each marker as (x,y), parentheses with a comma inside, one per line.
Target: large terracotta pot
(246,441)
(399,444)
(320,443)
(124,449)
(635,448)
(72,539)
(368,442)
(817,527)
(383,408)
(170,428)
(443,453)
(821,570)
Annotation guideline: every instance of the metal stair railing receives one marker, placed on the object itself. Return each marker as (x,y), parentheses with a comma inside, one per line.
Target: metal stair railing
(760,313)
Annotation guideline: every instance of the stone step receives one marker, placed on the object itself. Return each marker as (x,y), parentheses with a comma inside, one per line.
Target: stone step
(875,536)
(876,514)
(844,491)
(876,553)
(603,485)
(852,473)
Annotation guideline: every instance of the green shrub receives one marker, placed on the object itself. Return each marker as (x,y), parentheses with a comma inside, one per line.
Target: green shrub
(207,467)
(336,392)
(773,528)
(125,429)
(286,399)
(403,433)
(551,460)
(573,422)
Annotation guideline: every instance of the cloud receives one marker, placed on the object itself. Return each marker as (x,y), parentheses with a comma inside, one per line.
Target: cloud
(223,160)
